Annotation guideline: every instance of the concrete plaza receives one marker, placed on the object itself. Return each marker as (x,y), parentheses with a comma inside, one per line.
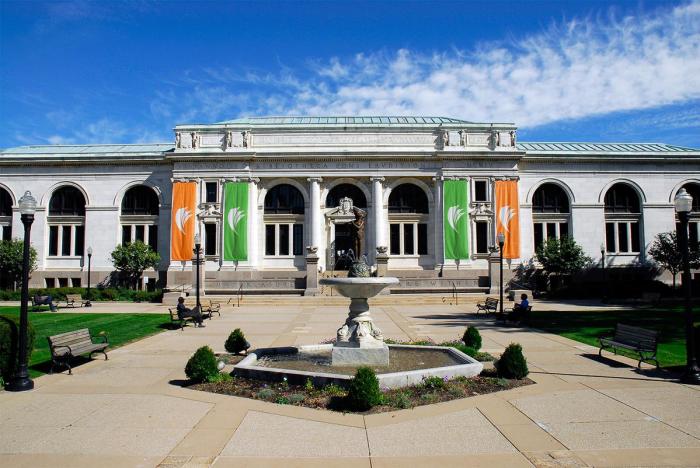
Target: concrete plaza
(132,410)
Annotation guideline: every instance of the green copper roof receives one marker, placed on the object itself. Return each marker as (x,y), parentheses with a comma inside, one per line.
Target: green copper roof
(90,149)
(563,147)
(399,121)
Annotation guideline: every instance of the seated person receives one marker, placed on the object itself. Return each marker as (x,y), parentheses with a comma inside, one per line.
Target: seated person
(519,310)
(45,300)
(183,311)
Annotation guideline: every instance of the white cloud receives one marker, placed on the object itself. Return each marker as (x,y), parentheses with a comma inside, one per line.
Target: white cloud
(581,68)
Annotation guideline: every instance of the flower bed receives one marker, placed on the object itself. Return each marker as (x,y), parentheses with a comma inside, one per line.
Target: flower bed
(332,397)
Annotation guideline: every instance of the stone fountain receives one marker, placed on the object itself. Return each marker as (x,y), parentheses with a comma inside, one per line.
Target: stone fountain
(359,341)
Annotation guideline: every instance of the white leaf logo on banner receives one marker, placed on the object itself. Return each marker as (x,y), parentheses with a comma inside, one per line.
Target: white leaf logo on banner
(453,215)
(505,214)
(234,217)
(181,217)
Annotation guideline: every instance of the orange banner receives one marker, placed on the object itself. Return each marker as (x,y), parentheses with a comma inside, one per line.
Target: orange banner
(183,220)
(507,216)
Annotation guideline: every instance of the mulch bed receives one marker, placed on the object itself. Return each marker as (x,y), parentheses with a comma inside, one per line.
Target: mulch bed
(331,397)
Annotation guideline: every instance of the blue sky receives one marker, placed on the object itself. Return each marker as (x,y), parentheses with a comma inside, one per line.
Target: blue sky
(127,72)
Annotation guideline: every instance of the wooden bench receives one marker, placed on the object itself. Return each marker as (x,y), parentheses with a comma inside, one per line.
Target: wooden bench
(489,306)
(640,340)
(72,344)
(38,301)
(180,321)
(516,314)
(74,300)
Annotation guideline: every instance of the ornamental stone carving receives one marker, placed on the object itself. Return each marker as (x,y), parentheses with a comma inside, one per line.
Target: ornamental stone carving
(195,139)
(229,139)
(246,135)
(178,140)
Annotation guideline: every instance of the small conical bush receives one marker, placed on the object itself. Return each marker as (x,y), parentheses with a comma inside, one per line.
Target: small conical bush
(512,364)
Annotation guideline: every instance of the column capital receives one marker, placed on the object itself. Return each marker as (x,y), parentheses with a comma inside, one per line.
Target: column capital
(377,178)
(315,179)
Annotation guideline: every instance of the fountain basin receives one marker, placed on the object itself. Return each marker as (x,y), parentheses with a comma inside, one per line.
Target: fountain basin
(297,364)
(357,288)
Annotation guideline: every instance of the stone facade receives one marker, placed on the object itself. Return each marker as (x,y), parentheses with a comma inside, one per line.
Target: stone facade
(316,155)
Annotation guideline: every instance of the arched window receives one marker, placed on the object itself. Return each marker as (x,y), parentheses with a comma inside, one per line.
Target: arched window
(408,221)
(622,219)
(5,215)
(284,199)
(346,190)
(694,222)
(284,221)
(551,213)
(67,201)
(408,198)
(66,223)
(139,216)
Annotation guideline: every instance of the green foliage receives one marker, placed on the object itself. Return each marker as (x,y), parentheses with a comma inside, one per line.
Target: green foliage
(433,382)
(295,398)
(512,364)
(309,385)
(401,400)
(96,294)
(220,377)
(133,258)
(667,253)
(363,392)
(236,342)
(9,336)
(282,400)
(472,338)
(266,394)
(562,256)
(11,259)
(201,367)
(333,390)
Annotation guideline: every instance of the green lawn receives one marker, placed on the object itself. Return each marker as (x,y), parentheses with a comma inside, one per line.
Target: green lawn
(586,327)
(120,328)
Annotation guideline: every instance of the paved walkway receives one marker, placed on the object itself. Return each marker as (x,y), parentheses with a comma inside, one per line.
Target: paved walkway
(130,410)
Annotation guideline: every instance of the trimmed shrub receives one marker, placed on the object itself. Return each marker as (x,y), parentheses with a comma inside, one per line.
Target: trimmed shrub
(512,364)
(433,382)
(9,339)
(236,342)
(363,391)
(472,338)
(201,367)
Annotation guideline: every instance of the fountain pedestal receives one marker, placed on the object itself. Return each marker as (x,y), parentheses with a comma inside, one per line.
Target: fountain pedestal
(359,340)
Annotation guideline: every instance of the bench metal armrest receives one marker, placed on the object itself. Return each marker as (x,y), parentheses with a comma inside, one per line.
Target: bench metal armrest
(70,351)
(104,336)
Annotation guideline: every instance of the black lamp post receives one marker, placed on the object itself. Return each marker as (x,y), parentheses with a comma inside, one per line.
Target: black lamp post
(683,204)
(501,240)
(21,381)
(87,302)
(602,265)
(197,246)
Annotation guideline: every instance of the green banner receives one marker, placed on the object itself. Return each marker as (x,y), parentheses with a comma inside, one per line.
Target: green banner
(456,219)
(236,221)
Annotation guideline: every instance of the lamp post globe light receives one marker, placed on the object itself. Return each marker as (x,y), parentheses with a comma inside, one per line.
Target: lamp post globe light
(20,381)
(683,204)
(501,238)
(87,302)
(197,246)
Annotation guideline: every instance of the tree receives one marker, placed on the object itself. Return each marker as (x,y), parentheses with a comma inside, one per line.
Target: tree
(666,252)
(132,259)
(11,256)
(561,256)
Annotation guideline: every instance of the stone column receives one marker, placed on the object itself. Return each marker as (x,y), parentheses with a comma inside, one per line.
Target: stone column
(315,218)
(378,214)
(253,225)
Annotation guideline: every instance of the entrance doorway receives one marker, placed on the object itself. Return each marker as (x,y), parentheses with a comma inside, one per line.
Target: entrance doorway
(343,241)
